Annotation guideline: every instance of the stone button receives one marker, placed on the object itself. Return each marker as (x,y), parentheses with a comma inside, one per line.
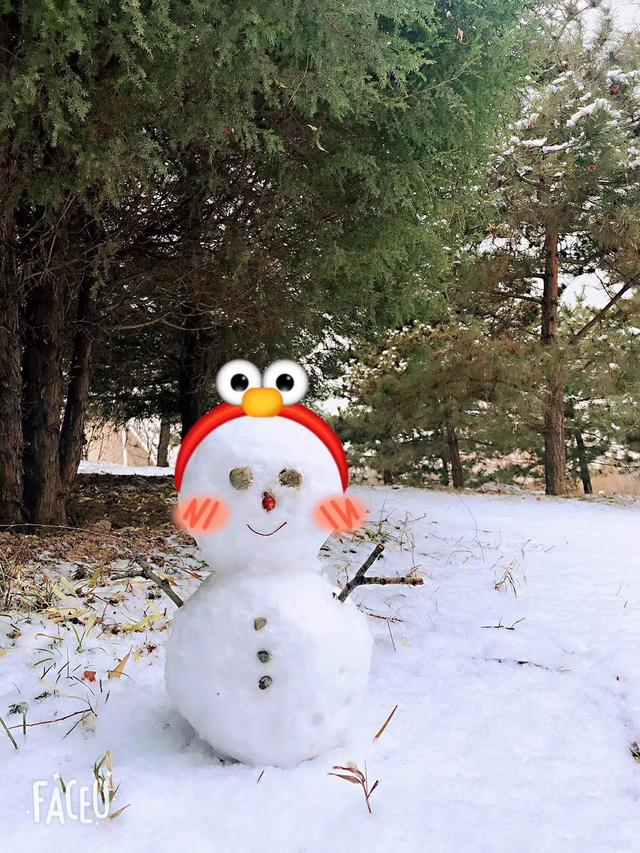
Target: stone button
(259,623)
(264,656)
(265,682)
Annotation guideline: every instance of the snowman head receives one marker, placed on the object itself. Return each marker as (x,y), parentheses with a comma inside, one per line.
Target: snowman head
(260,478)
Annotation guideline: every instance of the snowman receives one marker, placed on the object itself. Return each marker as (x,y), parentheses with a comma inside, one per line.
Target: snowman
(263,660)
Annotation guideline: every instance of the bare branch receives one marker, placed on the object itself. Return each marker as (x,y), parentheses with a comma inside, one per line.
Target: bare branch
(148,573)
(507,294)
(578,336)
(360,579)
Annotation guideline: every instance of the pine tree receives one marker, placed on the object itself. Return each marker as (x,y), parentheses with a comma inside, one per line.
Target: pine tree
(563,203)
(567,202)
(322,229)
(602,391)
(187,164)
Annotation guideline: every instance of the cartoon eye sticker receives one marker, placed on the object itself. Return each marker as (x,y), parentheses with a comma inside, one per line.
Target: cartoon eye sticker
(235,378)
(289,378)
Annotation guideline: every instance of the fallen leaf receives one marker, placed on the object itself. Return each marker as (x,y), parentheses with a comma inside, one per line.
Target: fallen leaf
(346,778)
(117,672)
(117,813)
(385,724)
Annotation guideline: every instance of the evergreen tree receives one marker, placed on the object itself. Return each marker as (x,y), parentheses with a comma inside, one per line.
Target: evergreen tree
(563,203)
(602,391)
(182,166)
(567,202)
(321,231)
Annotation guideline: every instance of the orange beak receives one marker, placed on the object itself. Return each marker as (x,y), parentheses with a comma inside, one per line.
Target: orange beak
(262,402)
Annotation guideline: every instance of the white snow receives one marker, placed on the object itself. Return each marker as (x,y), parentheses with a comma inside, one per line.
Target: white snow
(534,143)
(503,739)
(124,470)
(526,121)
(590,109)
(256,663)
(561,146)
(267,570)
(264,446)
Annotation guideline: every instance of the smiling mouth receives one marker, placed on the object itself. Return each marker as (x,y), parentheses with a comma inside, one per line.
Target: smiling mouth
(266,534)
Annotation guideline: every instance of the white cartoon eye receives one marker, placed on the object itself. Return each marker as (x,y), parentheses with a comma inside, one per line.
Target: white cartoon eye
(235,378)
(289,378)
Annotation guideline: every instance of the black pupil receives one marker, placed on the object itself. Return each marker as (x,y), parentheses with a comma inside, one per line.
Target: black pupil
(239,382)
(284,382)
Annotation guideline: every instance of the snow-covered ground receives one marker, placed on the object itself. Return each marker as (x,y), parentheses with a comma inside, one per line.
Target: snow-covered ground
(123,470)
(514,721)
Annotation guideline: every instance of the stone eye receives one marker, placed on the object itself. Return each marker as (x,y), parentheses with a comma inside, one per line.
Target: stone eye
(241,478)
(291,478)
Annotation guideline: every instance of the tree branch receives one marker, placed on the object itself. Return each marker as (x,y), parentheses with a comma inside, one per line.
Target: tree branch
(578,336)
(507,294)
(148,573)
(359,578)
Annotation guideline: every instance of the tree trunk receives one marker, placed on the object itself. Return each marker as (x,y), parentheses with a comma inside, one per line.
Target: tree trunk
(585,476)
(387,476)
(72,432)
(42,393)
(10,379)
(457,476)
(445,471)
(555,461)
(11,446)
(162,459)
(549,331)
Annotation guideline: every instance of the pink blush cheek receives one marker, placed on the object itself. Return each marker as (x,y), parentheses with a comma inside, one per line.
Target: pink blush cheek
(340,514)
(206,514)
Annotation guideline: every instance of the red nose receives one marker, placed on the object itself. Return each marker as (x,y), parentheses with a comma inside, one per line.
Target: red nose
(268,501)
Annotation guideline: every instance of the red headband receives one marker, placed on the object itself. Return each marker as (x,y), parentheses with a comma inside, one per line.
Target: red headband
(224,413)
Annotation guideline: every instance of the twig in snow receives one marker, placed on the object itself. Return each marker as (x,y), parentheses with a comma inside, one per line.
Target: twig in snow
(148,573)
(380,731)
(87,711)
(360,576)
(379,615)
(393,642)
(506,627)
(373,556)
(528,663)
(8,732)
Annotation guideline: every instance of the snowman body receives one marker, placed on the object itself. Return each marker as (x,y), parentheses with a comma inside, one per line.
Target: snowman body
(267,668)
(263,660)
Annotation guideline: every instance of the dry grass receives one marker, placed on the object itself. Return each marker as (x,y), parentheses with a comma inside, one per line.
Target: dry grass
(107,789)
(508,581)
(116,517)
(616,483)
(123,501)
(8,571)
(352,773)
